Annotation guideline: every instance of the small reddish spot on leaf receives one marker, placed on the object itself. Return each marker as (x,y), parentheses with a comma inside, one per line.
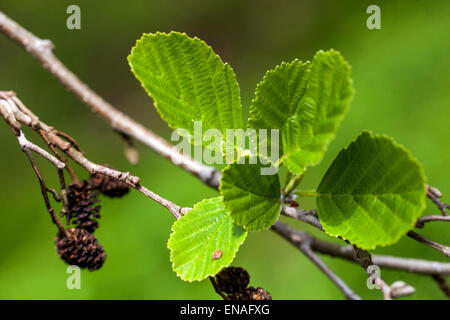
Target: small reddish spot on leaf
(217,254)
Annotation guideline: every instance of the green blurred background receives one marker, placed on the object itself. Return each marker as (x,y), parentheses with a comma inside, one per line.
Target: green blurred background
(401,75)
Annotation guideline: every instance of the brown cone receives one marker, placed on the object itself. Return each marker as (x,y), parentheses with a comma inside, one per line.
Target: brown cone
(81,249)
(252,293)
(109,186)
(83,211)
(233,279)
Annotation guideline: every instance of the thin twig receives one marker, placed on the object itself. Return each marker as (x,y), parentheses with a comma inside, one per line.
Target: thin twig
(59,156)
(44,194)
(7,107)
(432,244)
(65,201)
(53,138)
(70,139)
(303,242)
(420,223)
(434,194)
(217,290)
(55,194)
(347,291)
(308,216)
(443,285)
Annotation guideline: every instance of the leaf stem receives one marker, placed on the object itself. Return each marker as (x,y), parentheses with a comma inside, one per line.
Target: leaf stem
(307,193)
(292,182)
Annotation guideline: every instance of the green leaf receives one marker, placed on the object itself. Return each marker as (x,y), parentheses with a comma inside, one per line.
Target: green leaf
(306,102)
(253,199)
(372,193)
(197,235)
(188,82)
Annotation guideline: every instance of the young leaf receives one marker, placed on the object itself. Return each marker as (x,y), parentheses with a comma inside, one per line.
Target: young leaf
(252,199)
(372,193)
(187,81)
(204,240)
(306,102)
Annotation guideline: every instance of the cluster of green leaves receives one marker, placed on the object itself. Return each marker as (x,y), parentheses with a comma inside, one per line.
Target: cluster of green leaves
(371,194)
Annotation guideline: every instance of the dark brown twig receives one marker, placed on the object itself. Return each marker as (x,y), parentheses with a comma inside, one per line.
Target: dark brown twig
(432,244)
(55,194)
(217,290)
(442,283)
(44,193)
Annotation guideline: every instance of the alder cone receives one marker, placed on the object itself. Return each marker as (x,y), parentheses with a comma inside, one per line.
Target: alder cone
(109,186)
(81,249)
(83,211)
(252,293)
(233,279)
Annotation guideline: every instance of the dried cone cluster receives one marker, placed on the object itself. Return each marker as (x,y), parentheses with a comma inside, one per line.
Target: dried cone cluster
(83,211)
(80,248)
(233,282)
(109,186)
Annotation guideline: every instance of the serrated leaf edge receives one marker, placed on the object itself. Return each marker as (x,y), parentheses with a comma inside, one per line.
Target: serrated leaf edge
(208,275)
(423,200)
(183,34)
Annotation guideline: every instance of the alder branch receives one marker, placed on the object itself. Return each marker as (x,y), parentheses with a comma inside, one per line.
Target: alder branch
(303,241)
(42,51)
(311,217)
(412,265)
(7,112)
(15,111)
